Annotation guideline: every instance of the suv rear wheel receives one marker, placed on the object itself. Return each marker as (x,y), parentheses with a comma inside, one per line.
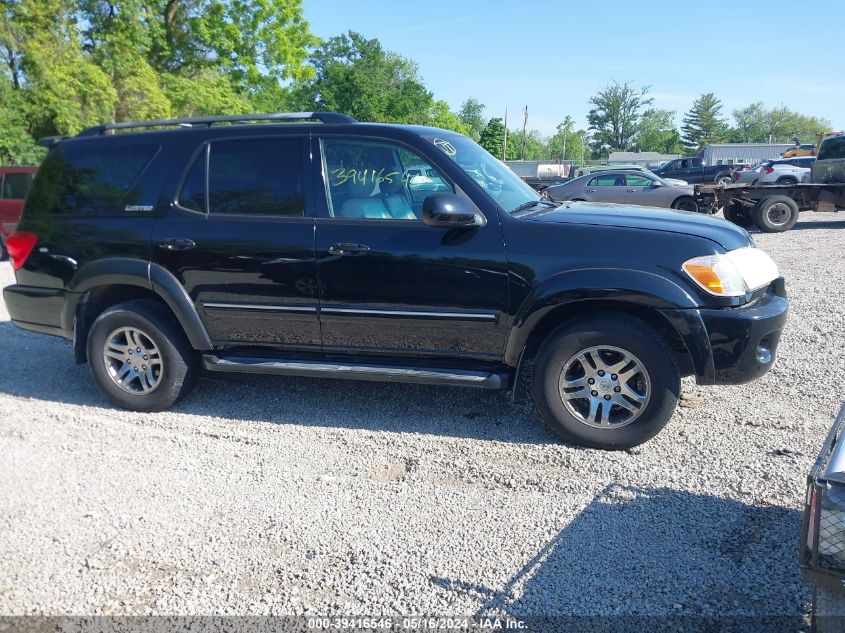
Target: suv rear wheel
(606,382)
(139,357)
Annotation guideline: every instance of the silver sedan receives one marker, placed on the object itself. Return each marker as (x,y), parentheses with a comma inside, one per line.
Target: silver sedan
(626,187)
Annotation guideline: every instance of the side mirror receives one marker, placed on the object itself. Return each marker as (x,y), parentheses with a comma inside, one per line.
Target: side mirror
(656,183)
(450,211)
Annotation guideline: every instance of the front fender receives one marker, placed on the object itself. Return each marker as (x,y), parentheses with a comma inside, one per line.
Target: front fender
(626,286)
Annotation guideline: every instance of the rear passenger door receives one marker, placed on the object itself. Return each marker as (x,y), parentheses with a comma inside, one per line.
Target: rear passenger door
(606,188)
(240,237)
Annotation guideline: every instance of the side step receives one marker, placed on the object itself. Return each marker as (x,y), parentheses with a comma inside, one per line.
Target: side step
(357,371)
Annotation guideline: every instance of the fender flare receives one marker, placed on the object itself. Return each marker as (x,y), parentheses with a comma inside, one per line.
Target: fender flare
(630,287)
(144,274)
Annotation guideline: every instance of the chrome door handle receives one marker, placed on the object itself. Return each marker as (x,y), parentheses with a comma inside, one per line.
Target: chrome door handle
(591,190)
(177,244)
(348,249)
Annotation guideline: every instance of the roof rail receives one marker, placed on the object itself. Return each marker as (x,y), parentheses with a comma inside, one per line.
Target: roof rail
(324,117)
(51,141)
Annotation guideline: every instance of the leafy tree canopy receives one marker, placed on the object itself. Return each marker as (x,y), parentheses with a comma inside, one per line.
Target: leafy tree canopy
(704,123)
(614,116)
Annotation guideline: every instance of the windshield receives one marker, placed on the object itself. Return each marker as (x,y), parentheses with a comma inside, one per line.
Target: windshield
(496,178)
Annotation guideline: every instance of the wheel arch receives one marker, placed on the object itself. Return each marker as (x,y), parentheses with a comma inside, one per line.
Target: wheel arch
(104,283)
(636,293)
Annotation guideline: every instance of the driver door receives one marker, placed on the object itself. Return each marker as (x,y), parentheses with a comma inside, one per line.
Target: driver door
(390,284)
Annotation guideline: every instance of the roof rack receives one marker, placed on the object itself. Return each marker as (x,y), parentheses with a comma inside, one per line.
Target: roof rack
(323,117)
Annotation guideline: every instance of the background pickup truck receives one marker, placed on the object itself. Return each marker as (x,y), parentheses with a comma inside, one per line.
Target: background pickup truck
(693,170)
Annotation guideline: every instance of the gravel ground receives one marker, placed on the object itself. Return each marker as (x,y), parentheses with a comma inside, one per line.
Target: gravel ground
(266,495)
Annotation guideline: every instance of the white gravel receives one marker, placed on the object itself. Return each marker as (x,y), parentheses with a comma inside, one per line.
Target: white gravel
(262,495)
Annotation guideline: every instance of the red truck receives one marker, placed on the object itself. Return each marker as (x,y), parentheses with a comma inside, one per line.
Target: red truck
(14,185)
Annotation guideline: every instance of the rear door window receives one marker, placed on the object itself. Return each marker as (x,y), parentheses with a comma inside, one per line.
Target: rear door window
(608,180)
(832,148)
(90,180)
(256,176)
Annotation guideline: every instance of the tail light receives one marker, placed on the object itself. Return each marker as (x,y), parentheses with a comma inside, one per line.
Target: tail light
(768,169)
(20,245)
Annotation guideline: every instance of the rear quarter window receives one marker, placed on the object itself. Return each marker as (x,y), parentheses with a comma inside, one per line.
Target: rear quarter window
(85,180)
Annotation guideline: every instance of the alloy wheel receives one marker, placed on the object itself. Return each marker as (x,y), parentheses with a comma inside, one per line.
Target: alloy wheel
(605,387)
(133,361)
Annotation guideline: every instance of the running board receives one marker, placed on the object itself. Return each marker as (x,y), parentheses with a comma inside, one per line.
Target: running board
(357,371)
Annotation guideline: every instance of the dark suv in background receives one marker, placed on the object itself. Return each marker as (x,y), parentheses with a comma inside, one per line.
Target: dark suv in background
(314,245)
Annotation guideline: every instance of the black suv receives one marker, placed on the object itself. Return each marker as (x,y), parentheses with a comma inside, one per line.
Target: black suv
(314,245)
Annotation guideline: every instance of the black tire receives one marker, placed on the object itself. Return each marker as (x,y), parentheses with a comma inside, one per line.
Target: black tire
(619,332)
(178,366)
(775,214)
(787,180)
(685,203)
(4,254)
(737,214)
(723,179)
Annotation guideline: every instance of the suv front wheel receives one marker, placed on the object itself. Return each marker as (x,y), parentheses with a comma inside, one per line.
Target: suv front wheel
(139,357)
(607,382)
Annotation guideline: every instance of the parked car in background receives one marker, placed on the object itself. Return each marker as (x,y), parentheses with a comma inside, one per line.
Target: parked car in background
(693,170)
(583,170)
(14,185)
(577,172)
(626,186)
(783,171)
(242,244)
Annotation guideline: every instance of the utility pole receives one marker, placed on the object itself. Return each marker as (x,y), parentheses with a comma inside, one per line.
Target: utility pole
(505,144)
(524,125)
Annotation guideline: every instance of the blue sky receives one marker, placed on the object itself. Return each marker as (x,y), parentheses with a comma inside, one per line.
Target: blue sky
(552,56)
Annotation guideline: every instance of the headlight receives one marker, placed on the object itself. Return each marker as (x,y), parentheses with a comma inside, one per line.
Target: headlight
(732,274)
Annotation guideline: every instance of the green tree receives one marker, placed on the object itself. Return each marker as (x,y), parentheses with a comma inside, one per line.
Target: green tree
(703,123)
(207,93)
(441,116)
(358,77)
(472,115)
(565,144)
(492,137)
(62,89)
(536,147)
(657,132)
(614,116)
(752,124)
(757,124)
(252,41)
(17,146)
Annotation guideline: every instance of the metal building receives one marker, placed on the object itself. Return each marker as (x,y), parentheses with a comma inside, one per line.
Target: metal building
(646,159)
(741,153)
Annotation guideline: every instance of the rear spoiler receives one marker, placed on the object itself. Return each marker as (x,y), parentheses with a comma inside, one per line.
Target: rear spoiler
(51,141)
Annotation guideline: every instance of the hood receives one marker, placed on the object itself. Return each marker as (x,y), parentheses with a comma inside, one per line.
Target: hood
(727,235)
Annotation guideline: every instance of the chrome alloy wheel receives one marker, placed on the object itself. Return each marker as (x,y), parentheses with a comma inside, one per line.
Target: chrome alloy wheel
(605,387)
(133,361)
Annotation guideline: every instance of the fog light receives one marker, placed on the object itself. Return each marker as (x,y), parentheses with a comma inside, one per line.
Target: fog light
(764,355)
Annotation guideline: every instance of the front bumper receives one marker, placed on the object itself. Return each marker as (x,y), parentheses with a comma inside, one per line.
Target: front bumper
(735,345)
